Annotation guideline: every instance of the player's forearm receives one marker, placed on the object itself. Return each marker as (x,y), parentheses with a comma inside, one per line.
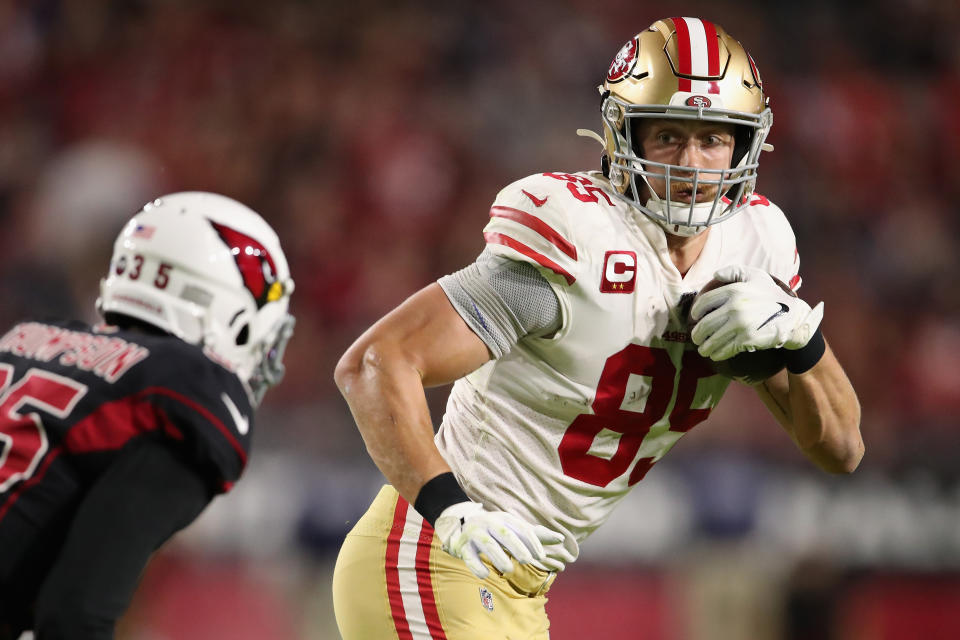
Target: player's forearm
(825,416)
(385,394)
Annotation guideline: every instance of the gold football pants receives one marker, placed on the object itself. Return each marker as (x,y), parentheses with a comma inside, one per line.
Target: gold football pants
(393,581)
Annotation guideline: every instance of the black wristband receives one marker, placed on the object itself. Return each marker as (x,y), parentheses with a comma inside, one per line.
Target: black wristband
(437,494)
(803,359)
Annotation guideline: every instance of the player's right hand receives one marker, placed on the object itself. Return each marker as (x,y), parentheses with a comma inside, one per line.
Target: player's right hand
(467,530)
(749,313)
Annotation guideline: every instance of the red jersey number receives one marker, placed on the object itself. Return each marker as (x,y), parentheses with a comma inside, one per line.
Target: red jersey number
(23,440)
(632,426)
(582,188)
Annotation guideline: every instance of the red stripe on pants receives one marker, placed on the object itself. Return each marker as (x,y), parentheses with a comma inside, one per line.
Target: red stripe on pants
(425,583)
(393,574)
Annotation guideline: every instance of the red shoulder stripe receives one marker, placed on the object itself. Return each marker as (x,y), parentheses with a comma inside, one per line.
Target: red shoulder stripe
(537,225)
(542,260)
(127,418)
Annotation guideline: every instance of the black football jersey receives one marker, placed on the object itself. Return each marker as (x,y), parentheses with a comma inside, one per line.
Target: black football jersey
(72,395)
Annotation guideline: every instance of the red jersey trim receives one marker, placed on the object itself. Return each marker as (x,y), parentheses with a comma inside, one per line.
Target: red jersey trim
(212,419)
(130,416)
(542,260)
(538,225)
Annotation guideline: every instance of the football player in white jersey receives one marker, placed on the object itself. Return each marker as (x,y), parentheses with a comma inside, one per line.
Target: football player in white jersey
(578,358)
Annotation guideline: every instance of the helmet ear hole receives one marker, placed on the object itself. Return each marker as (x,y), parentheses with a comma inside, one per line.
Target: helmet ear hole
(742,137)
(244,336)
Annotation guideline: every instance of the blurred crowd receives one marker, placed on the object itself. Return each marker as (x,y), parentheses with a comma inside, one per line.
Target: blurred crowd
(374,135)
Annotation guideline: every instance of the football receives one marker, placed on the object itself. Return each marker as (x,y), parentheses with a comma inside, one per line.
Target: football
(749,367)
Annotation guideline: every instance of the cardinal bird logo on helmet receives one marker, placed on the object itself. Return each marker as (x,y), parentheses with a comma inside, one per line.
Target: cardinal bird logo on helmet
(256,265)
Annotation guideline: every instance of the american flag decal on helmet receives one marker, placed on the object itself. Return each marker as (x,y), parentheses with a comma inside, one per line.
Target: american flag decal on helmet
(144,231)
(256,265)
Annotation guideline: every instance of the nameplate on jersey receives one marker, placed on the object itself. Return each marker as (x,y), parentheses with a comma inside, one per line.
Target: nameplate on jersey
(619,272)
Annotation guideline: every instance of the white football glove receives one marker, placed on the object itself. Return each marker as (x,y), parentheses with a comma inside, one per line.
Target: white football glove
(467,530)
(750,314)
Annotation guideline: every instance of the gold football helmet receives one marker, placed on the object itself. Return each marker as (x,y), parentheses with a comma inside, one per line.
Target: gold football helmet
(691,69)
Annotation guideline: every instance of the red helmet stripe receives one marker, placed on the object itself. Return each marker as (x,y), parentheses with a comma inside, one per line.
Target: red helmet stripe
(756,72)
(698,54)
(713,49)
(683,52)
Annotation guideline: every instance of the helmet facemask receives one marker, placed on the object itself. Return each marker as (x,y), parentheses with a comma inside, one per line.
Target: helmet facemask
(253,345)
(630,173)
(269,369)
(684,69)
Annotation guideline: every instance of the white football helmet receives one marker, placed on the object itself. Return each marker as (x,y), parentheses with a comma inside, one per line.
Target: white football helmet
(690,69)
(209,270)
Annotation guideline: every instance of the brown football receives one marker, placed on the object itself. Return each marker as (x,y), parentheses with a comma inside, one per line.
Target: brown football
(750,367)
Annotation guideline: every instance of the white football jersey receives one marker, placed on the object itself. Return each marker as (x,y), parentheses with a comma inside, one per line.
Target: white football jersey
(560,428)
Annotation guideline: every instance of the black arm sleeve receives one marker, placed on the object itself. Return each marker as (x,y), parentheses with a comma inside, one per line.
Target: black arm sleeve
(148,493)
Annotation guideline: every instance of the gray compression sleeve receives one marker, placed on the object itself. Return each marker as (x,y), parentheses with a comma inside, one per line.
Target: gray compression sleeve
(503,300)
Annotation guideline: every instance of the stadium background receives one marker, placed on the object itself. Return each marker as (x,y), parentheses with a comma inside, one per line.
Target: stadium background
(373,136)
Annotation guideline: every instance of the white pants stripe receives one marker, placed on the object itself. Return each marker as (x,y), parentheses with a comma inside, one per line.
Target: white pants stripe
(407,571)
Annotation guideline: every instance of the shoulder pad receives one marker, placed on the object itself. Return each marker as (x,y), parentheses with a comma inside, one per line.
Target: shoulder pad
(532,220)
(777,237)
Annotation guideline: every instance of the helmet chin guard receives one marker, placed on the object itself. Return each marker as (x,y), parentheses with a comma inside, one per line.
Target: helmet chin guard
(668,210)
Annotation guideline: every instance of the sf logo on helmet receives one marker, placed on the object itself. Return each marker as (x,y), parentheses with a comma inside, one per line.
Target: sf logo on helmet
(256,265)
(623,62)
(698,101)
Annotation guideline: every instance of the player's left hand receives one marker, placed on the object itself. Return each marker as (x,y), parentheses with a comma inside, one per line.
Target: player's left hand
(750,313)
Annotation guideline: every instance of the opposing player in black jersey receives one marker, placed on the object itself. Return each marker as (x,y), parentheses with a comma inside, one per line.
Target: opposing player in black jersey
(114,437)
